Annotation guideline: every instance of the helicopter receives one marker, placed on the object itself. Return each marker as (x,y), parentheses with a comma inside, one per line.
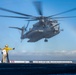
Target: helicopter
(46,27)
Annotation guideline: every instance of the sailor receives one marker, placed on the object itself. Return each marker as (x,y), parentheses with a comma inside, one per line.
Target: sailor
(7,50)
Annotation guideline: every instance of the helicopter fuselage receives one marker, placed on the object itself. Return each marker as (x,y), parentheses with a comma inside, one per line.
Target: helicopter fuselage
(47,26)
(41,31)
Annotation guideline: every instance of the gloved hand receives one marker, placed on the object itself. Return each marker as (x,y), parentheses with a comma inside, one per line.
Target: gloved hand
(13,48)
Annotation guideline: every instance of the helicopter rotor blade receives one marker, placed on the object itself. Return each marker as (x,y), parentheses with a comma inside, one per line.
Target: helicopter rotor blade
(32,20)
(64,17)
(63,12)
(14,17)
(15,12)
(38,6)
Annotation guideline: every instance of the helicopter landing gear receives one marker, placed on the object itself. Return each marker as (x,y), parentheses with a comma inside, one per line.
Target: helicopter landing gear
(45,40)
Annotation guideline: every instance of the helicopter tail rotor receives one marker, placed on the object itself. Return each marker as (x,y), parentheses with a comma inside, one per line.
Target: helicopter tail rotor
(22,30)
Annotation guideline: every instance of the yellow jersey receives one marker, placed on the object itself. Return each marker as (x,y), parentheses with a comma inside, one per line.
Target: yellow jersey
(7,49)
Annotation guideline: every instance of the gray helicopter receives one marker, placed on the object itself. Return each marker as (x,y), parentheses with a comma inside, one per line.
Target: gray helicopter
(46,27)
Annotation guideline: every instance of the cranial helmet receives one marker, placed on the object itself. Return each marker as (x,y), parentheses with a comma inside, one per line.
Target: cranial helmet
(6,45)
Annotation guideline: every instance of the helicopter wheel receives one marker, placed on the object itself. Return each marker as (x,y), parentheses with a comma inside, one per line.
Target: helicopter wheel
(46,40)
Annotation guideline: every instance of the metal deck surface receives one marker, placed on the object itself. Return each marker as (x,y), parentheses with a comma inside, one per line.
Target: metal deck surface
(37,68)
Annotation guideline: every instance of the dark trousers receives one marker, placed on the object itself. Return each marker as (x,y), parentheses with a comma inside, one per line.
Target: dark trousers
(7,57)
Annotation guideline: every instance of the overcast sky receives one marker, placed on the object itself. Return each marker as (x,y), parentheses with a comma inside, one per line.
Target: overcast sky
(61,46)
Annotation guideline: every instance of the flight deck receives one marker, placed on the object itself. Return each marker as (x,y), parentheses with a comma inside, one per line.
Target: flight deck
(37,67)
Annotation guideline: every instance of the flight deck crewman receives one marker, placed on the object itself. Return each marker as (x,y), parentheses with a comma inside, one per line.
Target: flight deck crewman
(7,49)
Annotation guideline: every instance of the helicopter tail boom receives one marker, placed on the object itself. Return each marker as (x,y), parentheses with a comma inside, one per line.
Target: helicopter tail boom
(16,28)
(22,30)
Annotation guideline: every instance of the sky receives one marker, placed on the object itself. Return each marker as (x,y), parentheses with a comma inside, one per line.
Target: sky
(59,47)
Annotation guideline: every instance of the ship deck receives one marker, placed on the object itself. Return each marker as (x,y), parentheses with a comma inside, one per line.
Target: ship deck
(37,68)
